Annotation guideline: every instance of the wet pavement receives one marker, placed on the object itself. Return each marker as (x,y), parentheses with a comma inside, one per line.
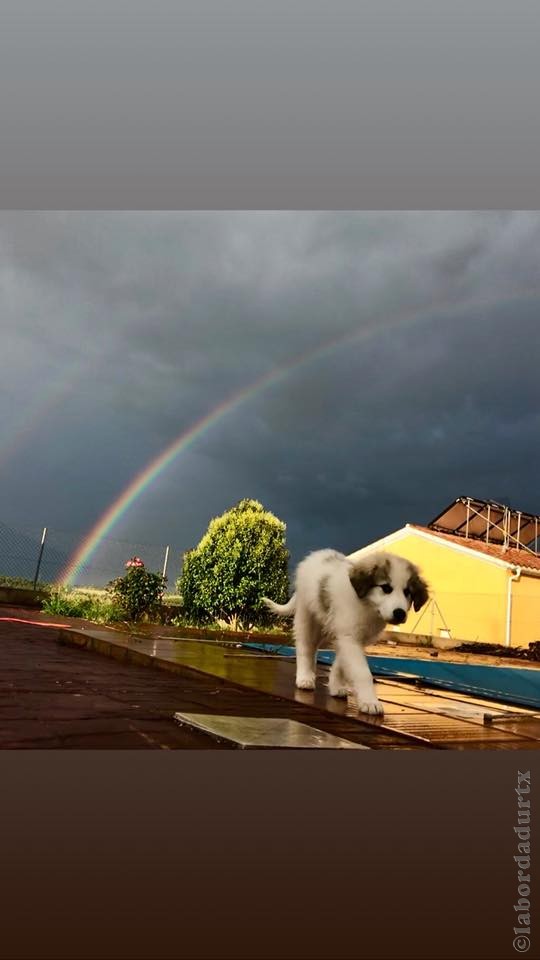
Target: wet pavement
(413,713)
(53,696)
(79,685)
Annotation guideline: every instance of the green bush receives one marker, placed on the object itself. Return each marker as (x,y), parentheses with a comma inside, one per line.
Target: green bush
(139,592)
(241,558)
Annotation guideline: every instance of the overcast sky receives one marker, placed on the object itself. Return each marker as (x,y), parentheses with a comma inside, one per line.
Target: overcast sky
(120,330)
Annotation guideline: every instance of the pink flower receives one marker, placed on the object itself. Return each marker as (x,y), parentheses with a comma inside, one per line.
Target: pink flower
(135,562)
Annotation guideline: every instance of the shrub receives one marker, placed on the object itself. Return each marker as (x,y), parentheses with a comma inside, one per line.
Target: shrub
(241,558)
(139,592)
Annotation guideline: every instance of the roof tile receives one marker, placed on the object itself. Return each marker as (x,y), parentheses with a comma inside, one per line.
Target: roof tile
(512,555)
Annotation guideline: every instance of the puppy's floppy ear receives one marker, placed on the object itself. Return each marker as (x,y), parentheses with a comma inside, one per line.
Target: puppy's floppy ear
(418,587)
(363,577)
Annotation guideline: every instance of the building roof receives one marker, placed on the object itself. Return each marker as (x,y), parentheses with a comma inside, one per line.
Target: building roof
(475,519)
(511,555)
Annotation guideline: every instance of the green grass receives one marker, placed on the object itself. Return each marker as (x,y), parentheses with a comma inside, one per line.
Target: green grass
(22,582)
(174,599)
(90,604)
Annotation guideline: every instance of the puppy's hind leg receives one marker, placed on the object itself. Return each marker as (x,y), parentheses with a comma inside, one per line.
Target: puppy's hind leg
(337,681)
(306,636)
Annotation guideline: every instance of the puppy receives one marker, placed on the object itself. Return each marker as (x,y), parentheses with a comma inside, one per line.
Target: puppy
(348,603)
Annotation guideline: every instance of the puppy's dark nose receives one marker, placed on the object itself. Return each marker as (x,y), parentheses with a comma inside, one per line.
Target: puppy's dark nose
(399,616)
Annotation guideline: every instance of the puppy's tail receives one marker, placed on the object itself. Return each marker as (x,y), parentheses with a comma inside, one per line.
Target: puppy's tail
(281,609)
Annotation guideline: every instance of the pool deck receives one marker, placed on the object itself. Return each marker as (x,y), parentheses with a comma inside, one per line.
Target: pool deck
(253,684)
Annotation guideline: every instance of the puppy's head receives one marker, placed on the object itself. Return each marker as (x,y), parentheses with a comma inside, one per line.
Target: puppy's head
(391,584)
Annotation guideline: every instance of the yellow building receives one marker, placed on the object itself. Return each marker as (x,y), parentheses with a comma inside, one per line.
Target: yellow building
(479,558)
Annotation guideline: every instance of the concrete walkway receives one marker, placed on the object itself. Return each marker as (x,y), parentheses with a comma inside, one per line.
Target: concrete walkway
(414,718)
(55,696)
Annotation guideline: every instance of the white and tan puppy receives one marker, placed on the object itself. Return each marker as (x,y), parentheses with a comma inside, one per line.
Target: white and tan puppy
(348,603)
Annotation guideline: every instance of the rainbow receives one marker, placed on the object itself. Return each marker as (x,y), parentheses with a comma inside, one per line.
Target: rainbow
(152,470)
(145,477)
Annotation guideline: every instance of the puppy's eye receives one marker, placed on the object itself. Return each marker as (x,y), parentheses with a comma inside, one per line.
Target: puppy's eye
(406,592)
(386,588)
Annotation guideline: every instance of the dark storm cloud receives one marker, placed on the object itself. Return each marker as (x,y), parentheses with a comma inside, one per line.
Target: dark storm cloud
(124,329)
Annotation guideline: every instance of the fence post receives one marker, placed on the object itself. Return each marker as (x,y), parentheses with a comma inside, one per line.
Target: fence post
(40,555)
(165,561)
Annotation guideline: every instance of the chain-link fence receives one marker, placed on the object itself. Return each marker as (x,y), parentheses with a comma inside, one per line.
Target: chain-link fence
(22,552)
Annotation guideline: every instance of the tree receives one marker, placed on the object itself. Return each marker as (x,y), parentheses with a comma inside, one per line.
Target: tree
(241,558)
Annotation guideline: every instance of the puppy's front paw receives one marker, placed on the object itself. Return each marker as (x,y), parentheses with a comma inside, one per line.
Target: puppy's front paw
(338,691)
(305,683)
(372,706)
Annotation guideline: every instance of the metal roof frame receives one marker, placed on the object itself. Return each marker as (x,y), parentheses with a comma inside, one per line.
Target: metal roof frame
(490,521)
